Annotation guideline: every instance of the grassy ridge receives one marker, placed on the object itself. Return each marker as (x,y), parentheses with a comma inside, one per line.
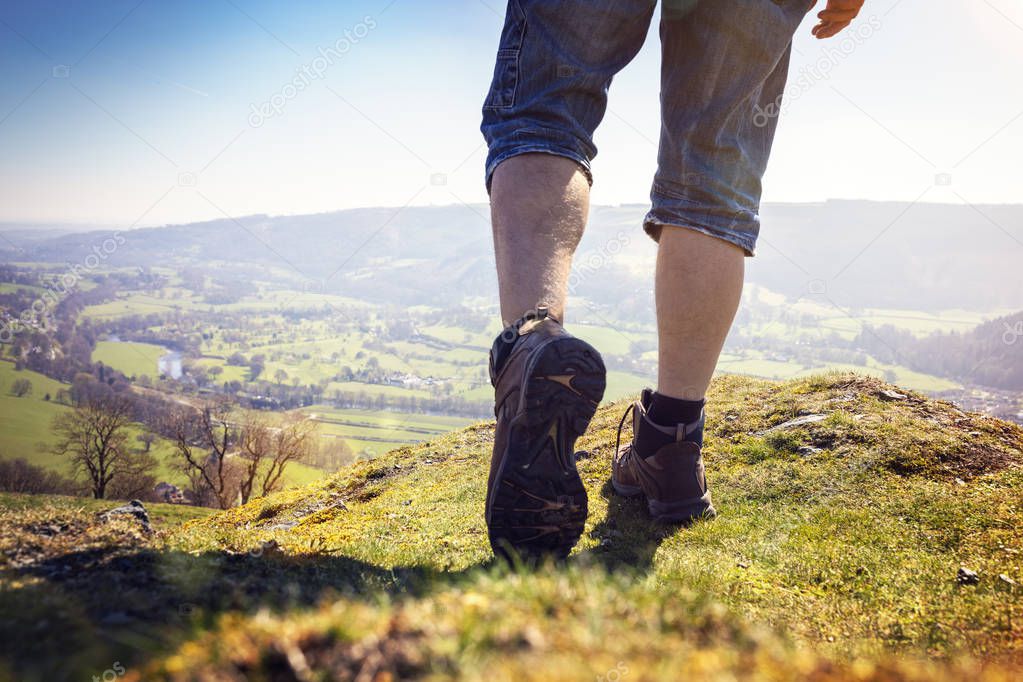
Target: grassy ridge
(835,556)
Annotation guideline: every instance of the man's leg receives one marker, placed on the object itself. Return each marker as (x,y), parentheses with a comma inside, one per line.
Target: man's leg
(723,70)
(539,205)
(549,92)
(714,147)
(698,286)
(547,383)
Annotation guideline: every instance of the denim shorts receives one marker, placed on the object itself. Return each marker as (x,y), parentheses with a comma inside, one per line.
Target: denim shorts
(724,64)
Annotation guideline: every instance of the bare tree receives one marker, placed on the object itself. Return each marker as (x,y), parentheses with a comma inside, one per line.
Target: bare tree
(203,439)
(18,476)
(332,454)
(95,436)
(135,479)
(268,448)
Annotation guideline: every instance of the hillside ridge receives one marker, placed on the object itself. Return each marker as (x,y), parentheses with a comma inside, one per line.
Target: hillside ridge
(836,555)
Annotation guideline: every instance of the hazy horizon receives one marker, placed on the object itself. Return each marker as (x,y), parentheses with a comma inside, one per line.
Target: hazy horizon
(99,226)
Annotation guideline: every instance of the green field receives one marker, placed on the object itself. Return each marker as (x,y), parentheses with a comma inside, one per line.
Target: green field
(133,359)
(228,372)
(25,422)
(754,364)
(26,431)
(7,288)
(370,433)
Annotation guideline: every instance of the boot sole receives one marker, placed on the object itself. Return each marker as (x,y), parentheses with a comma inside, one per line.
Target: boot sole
(538,507)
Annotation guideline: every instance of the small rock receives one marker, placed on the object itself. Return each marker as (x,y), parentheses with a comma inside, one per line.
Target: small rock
(1007,580)
(798,421)
(888,394)
(960,481)
(284,525)
(742,564)
(134,508)
(807,450)
(49,529)
(967,577)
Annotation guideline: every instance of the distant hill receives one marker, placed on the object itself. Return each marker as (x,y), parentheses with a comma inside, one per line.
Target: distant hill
(990,355)
(856,253)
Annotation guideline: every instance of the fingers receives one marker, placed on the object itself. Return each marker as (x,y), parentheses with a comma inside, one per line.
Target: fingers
(836,16)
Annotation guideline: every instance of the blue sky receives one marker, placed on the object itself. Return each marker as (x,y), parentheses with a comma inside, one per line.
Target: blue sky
(140,113)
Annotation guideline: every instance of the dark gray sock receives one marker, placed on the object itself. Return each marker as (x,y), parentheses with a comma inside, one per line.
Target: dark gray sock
(669,411)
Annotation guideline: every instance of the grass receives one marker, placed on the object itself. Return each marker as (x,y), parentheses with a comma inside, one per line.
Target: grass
(133,359)
(835,564)
(370,433)
(228,372)
(754,364)
(25,422)
(160,515)
(8,288)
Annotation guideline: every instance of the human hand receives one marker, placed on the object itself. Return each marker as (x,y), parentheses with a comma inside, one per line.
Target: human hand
(835,17)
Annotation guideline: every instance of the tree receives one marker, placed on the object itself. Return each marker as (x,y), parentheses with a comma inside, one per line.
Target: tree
(95,436)
(266,450)
(203,441)
(280,376)
(147,438)
(135,479)
(21,388)
(332,454)
(18,476)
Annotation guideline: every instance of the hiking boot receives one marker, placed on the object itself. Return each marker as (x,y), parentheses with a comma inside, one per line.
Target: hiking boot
(548,385)
(671,477)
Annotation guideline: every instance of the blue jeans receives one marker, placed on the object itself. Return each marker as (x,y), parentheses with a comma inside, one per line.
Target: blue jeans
(723,69)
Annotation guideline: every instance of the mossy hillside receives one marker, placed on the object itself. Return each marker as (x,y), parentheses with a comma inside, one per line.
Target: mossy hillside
(834,556)
(846,532)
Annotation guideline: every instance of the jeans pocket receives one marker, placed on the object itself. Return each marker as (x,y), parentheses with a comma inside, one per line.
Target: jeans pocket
(506,70)
(506,80)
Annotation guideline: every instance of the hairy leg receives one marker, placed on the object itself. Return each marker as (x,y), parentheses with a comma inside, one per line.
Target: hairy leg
(698,287)
(539,205)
